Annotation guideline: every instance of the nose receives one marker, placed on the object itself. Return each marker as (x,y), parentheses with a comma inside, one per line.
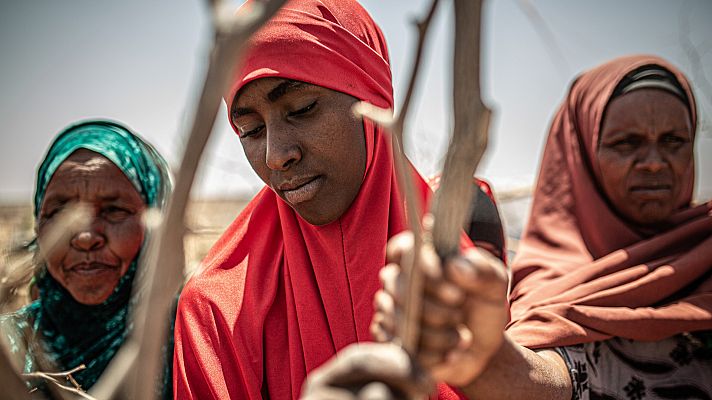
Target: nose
(283,148)
(88,240)
(651,161)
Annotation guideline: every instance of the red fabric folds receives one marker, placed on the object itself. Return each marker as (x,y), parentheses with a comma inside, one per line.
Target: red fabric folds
(582,273)
(278,296)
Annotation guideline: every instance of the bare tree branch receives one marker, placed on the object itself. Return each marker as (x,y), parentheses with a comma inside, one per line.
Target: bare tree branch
(467,145)
(133,372)
(469,138)
(409,335)
(52,378)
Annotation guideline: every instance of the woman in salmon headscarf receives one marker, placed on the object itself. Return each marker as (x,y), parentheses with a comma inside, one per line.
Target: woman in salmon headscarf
(292,280)
(611,295)
(614,266)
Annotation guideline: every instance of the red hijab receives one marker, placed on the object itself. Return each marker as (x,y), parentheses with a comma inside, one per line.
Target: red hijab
(582,273)
(279,296)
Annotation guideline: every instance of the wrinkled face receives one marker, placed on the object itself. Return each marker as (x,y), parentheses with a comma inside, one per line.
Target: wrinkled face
(304,142)
(645,151)
(93,257)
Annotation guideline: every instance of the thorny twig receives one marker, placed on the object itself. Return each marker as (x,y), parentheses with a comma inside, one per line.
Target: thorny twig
(52,378)
(162,275)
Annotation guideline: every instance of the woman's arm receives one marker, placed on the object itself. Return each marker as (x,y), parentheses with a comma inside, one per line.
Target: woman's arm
(516,372)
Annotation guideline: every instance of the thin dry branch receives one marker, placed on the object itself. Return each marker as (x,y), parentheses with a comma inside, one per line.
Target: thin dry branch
(52,378)
(133,372)
(409,327)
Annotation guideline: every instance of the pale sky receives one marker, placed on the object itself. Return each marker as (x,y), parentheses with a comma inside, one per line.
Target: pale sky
(141,62)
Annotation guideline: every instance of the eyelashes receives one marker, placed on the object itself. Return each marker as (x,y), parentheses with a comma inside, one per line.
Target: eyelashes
(301,112)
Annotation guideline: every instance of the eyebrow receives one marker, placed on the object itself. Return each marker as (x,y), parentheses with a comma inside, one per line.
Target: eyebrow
(275,94)
(282,89)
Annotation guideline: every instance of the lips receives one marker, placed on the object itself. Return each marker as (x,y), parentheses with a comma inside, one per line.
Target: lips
(301,189)
(91,268)
(651,191)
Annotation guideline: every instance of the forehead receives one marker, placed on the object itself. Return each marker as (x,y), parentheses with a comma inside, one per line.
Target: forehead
(270,90)
(91,176)
(647,106)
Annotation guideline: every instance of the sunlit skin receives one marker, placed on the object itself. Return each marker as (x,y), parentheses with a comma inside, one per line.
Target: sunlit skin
(92,260)
(304,142)
(644,153)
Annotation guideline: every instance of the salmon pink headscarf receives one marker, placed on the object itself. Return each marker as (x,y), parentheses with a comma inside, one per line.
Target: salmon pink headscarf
(584,274)
(279,296)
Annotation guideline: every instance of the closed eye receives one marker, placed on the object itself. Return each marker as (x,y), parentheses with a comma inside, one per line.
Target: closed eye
(302,111)
(53,211)
(673,139)
(116,213)
(252,132)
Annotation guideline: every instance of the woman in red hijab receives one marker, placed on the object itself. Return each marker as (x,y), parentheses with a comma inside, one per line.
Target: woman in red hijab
(292,279)
(612,292)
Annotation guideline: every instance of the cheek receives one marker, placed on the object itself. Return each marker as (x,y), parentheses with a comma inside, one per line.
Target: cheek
(681,161)
(52,253)
(613,169)
(255,152)
(126,239)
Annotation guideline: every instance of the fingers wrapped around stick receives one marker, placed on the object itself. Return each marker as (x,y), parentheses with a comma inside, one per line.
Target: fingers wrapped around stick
(464,308)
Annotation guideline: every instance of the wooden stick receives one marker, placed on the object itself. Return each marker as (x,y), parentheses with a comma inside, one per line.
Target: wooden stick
(469,139)
(133,372)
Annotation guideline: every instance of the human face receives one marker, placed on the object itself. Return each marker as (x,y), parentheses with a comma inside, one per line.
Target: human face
(645,153)
(90,262)
(304,142)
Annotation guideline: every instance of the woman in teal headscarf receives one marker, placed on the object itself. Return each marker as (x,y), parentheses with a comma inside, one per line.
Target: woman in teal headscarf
(85,272)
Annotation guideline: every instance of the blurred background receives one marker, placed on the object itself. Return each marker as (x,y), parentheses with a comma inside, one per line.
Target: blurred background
(142,62)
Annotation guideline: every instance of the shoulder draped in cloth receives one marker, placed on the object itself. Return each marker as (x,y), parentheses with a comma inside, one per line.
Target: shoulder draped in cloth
(279,296)
(584,274)
(71,333)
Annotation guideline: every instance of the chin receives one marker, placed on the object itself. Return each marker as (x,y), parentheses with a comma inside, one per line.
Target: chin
(315,215)
(91,297)
(653,217)
(318,220)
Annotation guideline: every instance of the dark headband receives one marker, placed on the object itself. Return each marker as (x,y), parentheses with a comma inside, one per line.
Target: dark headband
(651,77)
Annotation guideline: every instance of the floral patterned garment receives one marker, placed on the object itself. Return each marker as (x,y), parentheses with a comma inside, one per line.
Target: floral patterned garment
(679,367)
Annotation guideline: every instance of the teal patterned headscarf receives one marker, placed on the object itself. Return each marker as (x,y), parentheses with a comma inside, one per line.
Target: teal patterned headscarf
(72,333)
(138,160)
